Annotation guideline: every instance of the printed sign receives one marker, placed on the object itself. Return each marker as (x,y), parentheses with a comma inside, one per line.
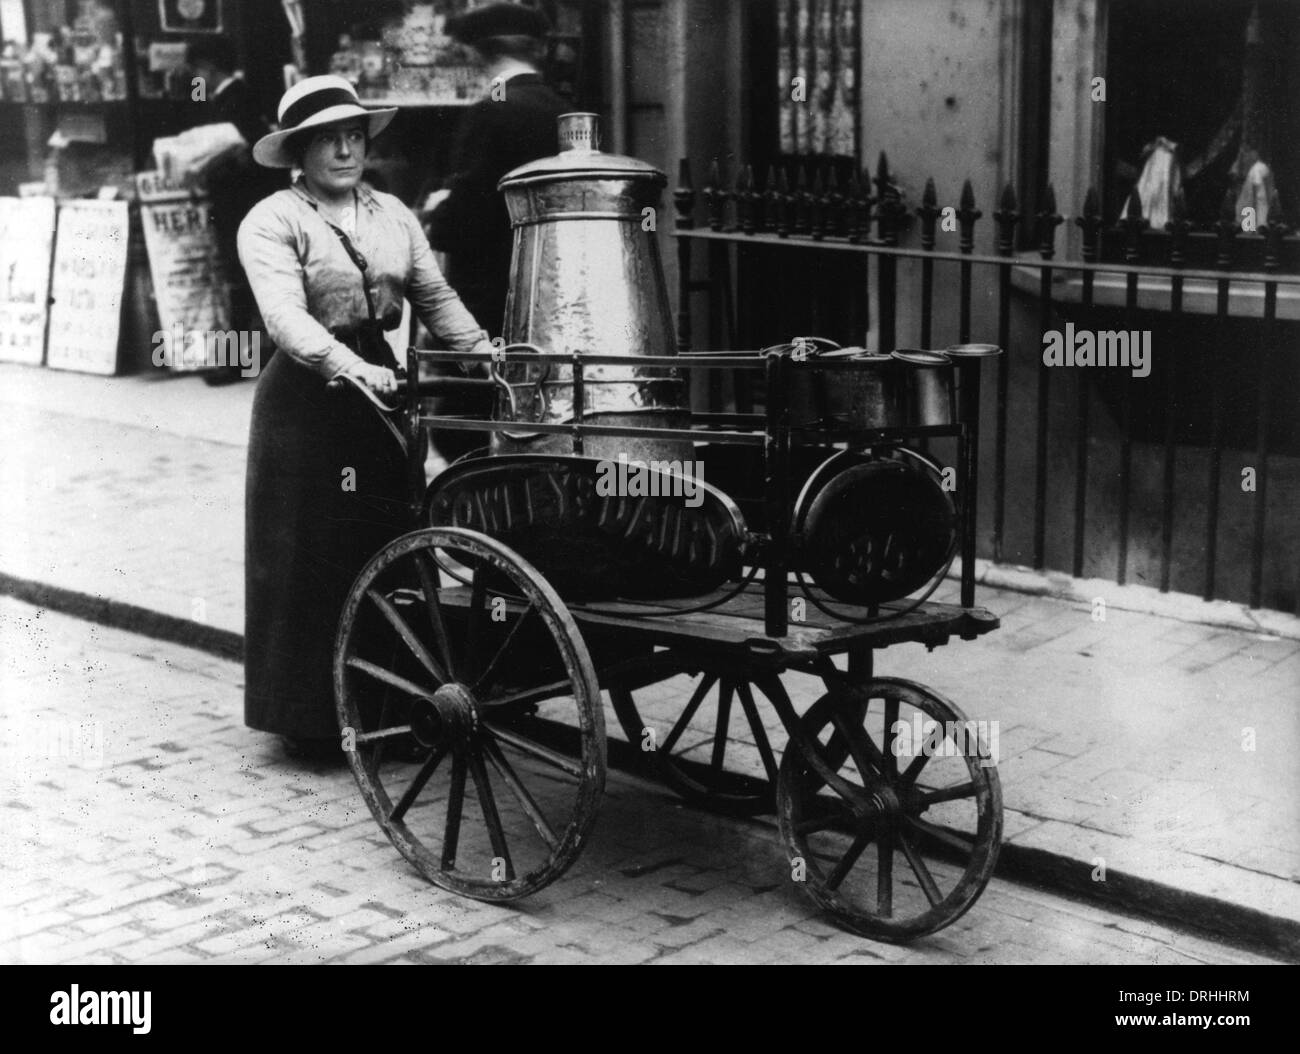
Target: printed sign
(26,242)
(89,273)
(188,278)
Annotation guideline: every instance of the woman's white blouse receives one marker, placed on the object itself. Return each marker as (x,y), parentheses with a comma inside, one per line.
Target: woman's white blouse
(308,289)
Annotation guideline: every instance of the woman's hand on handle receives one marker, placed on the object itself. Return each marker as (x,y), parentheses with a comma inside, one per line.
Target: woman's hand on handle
(379,379)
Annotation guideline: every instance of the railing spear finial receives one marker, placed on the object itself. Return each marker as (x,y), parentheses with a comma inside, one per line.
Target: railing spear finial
(1090,223)
(770,200)
(714,200)
(1274,231)
(1178,228)
(684,196)
(1228,226)
(801,218)
(1133,224)
(744,201)
(967,214)
(1006,217)
(817,208)
(836,220)
(928,210)
(782,200)
(1048,219)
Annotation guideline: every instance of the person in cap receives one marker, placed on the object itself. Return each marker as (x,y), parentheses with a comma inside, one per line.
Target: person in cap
(515,124)
(329,261)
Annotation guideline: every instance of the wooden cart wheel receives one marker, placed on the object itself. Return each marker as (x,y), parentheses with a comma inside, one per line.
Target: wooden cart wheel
(898,839)
(471,714)
(688,749)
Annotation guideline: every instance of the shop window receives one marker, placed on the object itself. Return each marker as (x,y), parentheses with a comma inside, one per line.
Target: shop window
(1214,80)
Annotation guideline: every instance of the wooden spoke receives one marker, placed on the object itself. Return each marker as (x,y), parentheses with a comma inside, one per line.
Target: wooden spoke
(825,858)
(756,726)
(913,770)
(537,694)
(684,719)
(485,677)
(416,785)
(919,869)
(428,572)
(944,836)
(383,727)
(854,735)
(476,621)
(393,680)
(885,875)
(954,793)
(517,788)
(850,858)
(412,642)
(455,807)
(382,734)
(537,751)
(723,725)
(891,719)
(835,814)
(488,803)
(807,744)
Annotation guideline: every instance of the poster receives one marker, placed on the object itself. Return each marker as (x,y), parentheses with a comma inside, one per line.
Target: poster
(26,244)
(189,281)
(89,274)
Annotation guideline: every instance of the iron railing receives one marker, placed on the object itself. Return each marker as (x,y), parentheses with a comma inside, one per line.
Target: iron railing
(750,231)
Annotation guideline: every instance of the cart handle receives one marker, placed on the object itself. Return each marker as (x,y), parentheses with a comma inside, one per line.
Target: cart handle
(386,412)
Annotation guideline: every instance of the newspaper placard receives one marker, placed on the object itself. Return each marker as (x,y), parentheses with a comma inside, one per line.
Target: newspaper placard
(26,242)
(188,278)
(89,274)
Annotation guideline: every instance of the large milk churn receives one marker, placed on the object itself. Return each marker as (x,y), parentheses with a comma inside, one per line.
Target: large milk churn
(586,277)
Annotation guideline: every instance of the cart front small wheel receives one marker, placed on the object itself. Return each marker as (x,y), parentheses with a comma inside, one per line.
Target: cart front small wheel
(470,712)
(715,750)
(904,838)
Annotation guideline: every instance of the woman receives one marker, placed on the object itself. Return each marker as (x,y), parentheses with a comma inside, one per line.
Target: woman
(329,261)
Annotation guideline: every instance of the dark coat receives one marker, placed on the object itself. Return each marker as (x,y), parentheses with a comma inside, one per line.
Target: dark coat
(235,184)
(472,226)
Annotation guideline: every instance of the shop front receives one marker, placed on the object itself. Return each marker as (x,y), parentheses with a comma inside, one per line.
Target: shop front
(107,232)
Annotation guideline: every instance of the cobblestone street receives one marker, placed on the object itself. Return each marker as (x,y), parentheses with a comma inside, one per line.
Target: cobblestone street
(147,824)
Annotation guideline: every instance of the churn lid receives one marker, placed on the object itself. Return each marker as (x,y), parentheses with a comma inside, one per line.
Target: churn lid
(580,157)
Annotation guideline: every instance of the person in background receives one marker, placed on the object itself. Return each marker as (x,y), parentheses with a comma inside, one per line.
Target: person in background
(235,182)
(330,261)
(467,220)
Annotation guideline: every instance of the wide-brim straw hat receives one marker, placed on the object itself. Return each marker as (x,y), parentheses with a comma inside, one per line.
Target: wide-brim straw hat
(312,102)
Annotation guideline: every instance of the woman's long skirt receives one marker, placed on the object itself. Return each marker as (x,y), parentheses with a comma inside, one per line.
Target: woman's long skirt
(325,491)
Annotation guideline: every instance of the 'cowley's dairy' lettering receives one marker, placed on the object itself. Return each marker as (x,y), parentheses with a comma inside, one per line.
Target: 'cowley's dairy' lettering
(101,1008)
(679,532)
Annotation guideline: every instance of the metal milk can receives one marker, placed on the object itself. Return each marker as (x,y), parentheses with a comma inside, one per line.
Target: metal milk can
(586,277)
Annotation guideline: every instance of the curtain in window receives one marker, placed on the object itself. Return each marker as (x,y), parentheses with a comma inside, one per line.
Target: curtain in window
(817,68)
